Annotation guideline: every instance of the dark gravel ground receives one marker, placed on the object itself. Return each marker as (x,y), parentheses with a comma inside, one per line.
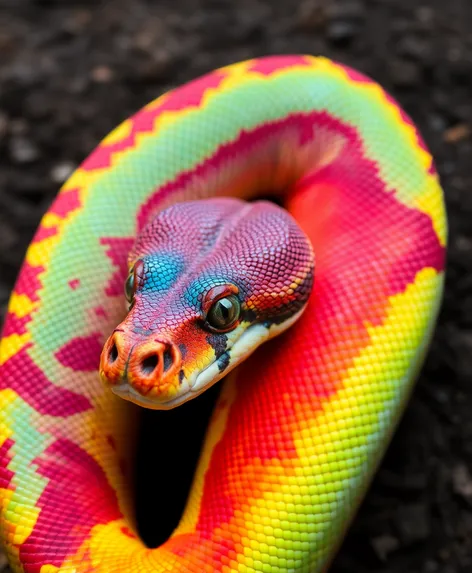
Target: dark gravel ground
(70,71)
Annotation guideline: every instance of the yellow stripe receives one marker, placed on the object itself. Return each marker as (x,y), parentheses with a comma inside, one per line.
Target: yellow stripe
(13,344)
(431,203)
(120,133)
(21,305)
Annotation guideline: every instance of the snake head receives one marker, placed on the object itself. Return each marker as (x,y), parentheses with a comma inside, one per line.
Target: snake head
(209,282)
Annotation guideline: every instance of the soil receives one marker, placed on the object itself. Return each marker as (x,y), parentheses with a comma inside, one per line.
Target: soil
(71,71)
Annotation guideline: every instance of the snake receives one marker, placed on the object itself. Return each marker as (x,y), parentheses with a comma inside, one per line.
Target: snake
(285,197)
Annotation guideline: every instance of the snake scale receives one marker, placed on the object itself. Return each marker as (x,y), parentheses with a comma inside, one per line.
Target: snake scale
(300,427)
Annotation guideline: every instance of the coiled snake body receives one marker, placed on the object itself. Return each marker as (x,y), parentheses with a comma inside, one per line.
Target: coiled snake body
(300,427)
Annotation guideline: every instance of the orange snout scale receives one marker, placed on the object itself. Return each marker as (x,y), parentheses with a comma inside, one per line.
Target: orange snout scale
(147,365)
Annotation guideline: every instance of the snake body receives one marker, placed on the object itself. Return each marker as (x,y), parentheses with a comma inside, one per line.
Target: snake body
(299,428)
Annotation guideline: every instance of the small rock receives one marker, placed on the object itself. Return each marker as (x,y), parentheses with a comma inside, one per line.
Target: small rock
(144,41)
(404,73)
(445,553)
(7,43)
(440,99)
(47,65)
(344,18)
(311,14)
(431,566)
(414,47)
(413,523)
(462,482)
(38,104)
(3,125)
(78,21)
(425,15)
(153,67)
(341,31)
(24,72)
(249,26)
(61,171)
(18,127)
(402,26)
(23,150)
(78,85)
(8,238)
(437,122)
(345,10)
(463,244)
(456,133)
(102,74)
(455,53)
(384,545)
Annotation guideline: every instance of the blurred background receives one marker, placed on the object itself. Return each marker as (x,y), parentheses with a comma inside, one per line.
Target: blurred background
(70,71)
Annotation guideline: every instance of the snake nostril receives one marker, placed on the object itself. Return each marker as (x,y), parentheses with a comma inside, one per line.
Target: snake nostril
(113,354)
(148,365)
(168,359)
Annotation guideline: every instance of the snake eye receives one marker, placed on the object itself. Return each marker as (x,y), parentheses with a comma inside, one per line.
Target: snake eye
(224,313)
(129,287)
(133,280)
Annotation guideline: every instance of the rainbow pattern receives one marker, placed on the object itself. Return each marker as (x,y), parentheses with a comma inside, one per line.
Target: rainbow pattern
(294,439)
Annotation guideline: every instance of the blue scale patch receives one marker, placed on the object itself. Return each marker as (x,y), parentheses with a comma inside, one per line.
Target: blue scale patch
(161,271)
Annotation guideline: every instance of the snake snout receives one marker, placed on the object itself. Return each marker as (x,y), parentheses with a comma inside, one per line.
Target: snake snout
(147,365)
(113,360)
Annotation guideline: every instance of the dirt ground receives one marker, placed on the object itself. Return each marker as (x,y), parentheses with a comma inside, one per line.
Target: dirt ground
(70,71)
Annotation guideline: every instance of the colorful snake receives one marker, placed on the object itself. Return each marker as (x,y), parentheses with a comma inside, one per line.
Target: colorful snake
(299,427)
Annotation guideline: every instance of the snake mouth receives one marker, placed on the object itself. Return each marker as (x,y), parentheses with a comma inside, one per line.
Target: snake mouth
(201,380)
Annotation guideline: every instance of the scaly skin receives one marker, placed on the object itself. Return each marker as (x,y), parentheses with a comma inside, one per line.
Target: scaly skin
(299,429)
(166,352)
